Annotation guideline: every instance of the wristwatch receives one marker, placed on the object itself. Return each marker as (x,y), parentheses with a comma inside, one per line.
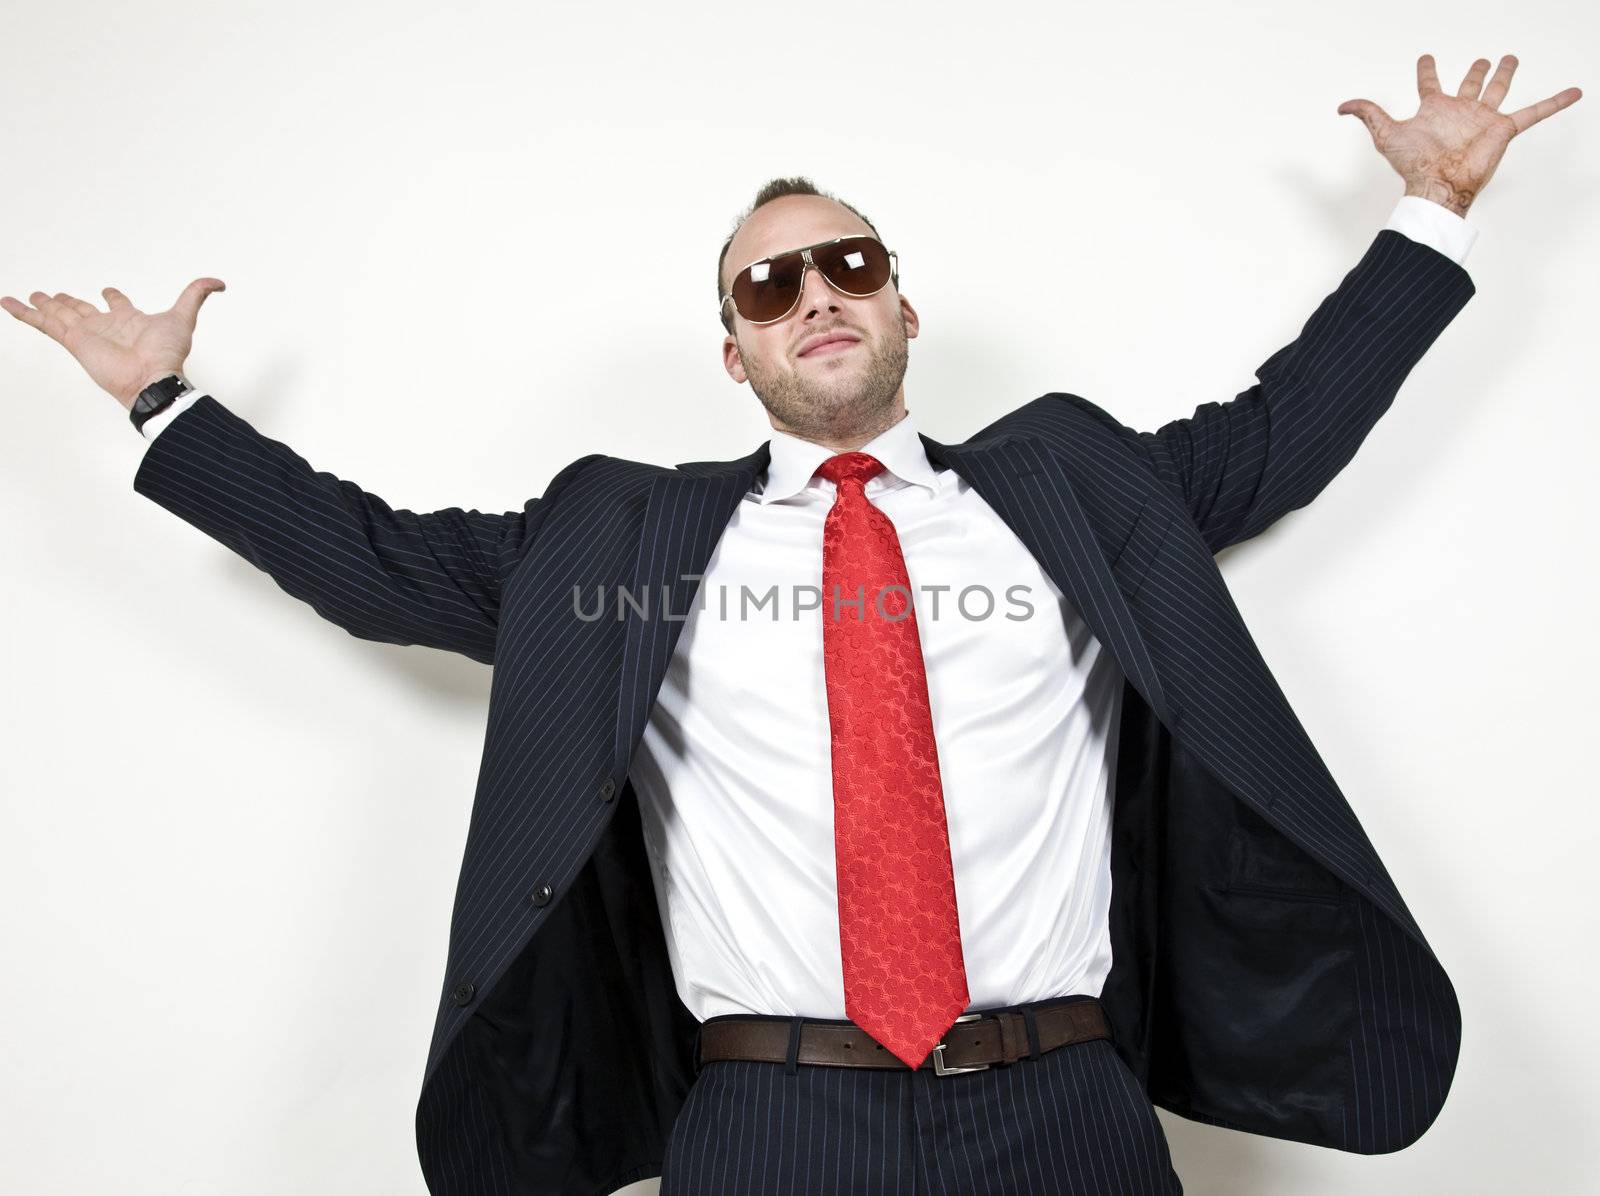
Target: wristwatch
(156,398)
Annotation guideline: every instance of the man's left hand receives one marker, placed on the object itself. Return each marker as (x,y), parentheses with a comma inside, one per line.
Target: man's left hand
(1450,148)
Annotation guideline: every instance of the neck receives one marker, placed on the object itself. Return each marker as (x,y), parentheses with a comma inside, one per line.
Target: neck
(849,440)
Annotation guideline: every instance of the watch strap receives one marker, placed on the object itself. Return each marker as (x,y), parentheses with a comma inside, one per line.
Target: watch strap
(157,397)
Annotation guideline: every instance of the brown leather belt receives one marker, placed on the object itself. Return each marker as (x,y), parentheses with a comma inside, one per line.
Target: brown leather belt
(976,1041)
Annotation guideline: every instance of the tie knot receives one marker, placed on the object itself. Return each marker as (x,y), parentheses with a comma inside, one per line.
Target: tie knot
(850,467)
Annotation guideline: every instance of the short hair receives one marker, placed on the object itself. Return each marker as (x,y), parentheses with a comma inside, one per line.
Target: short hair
(771,190)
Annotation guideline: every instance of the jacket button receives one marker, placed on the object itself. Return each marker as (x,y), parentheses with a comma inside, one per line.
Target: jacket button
(462,993)
(541,895)
(607,789)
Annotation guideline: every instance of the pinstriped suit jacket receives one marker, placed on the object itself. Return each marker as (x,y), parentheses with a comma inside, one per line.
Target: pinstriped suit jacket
(1267,975)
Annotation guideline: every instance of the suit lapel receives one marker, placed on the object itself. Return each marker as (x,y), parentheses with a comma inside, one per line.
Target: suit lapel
(685,515)
(1028,487)
(687,511)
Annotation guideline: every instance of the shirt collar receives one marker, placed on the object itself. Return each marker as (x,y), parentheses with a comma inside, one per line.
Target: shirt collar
(794,461)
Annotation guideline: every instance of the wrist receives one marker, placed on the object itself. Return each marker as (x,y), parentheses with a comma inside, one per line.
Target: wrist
(156,376)
(148,380)
(1443,193)
(158,397)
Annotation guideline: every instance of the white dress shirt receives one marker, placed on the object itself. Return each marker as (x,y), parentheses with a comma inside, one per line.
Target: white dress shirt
(734,771)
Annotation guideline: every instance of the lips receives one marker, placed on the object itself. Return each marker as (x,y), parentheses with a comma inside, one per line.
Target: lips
(830,342)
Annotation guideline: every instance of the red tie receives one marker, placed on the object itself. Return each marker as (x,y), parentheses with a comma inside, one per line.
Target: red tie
(905,980)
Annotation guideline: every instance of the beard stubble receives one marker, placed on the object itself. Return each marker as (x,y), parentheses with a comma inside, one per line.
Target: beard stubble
(852,400)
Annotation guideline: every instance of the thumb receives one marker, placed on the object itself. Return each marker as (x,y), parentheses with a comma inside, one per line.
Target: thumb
(1374,117)
(188,304)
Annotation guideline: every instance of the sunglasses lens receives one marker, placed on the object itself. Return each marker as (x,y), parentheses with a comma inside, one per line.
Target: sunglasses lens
(857,266)
(768,289)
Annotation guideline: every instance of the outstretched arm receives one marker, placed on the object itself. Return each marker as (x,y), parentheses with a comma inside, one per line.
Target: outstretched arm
(1243,464)
(391,575)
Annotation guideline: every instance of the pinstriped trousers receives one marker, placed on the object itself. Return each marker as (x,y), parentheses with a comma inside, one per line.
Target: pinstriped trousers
(1074,1120)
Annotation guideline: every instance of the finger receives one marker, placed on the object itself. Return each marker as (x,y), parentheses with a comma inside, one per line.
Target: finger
(1374,117)
(1427,77)
(57,309)
(1473,83)
(22,312)
(188,304)
(80,306)
(1526,118)
(1498,86)
(115,299)
(50,320)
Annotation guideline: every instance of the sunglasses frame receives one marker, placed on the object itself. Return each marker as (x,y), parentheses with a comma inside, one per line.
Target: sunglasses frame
(806,263)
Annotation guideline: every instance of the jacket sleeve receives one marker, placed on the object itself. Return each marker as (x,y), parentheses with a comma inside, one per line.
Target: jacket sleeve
(1243,464)
(393,576)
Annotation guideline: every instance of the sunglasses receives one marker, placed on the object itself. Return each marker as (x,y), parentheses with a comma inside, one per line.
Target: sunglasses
(768,290)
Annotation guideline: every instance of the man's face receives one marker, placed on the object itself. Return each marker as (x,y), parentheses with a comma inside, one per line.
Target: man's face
(841,391)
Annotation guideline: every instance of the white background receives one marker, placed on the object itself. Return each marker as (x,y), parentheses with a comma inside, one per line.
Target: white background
(466,244)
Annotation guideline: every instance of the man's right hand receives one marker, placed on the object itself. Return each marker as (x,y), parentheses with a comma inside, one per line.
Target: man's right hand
(124,349)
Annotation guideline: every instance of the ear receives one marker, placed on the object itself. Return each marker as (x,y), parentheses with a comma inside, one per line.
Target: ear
(731,360)
(910,314)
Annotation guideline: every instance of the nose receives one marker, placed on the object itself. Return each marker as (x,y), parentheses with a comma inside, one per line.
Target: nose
(816,295)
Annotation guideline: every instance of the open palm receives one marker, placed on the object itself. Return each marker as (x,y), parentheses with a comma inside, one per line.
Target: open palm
(1448,151)
(122,349)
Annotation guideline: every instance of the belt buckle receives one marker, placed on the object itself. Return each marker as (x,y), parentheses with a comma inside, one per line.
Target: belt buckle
(938,1052)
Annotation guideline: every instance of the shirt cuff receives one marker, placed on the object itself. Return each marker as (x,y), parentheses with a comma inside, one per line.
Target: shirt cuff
(151,428)
(1434,225)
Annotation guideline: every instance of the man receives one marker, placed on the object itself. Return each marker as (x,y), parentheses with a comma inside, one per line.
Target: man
(936,901)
